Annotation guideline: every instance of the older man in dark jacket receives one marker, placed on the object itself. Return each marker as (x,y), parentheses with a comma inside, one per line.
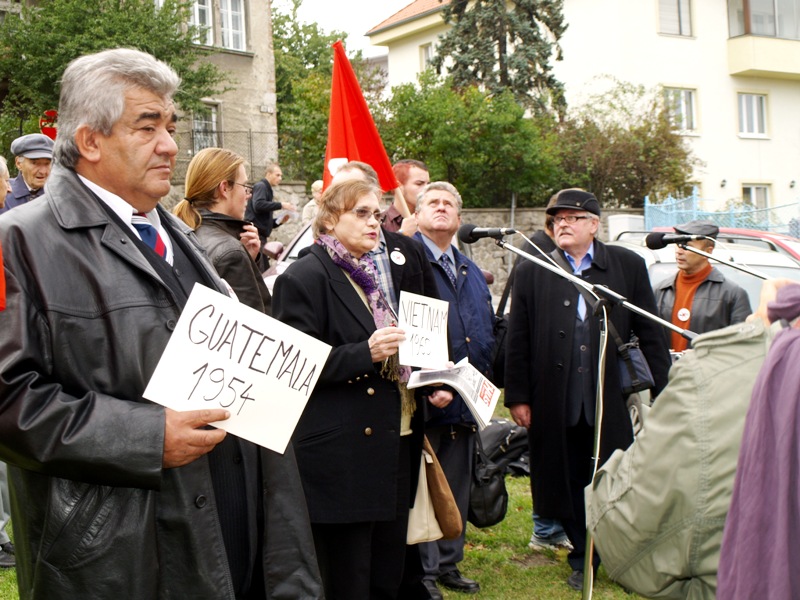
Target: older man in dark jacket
(451,427)
(112,496)
(551,365)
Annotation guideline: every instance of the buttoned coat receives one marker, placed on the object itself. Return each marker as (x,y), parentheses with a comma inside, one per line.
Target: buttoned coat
(539,353)
(95,514)
(348,438)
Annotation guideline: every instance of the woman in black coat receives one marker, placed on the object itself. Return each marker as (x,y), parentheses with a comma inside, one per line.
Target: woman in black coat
(354,442)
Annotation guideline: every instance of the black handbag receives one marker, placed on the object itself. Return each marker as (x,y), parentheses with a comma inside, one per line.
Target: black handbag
(488,497)
(634,372)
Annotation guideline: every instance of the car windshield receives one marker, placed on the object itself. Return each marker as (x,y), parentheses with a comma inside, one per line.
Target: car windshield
(750,283)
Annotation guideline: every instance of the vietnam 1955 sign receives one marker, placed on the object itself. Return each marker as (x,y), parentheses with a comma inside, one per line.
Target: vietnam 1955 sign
(224,354)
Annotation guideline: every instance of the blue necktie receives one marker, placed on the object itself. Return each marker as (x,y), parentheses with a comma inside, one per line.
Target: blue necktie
(444,260)
(149,234)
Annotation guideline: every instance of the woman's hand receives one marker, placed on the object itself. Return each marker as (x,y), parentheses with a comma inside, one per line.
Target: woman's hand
(384,342)
(251,241)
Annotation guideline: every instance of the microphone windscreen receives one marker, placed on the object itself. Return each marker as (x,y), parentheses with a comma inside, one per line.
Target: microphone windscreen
(655,241)
(465,233)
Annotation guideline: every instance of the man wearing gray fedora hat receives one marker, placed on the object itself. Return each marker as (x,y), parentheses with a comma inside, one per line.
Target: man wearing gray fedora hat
(33,154)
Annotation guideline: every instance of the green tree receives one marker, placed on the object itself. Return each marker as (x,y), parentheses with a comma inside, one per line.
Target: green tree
(505,45)
(37,45)
(622,146)
(482,143)
(303,69)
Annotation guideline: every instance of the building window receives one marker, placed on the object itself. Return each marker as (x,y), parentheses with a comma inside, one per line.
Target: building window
(756,195)
(231,14)
(425,56)
(202,17)
(675,17)
(753,115)
(772,18)
(204,129)
(681,106)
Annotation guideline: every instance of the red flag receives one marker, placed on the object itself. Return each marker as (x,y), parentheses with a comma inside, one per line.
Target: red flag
(2,282)
(352,134)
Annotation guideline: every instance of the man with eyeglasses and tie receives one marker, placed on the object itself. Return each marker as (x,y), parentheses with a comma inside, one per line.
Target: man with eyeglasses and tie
(114,496)
(450,426)
(551,363)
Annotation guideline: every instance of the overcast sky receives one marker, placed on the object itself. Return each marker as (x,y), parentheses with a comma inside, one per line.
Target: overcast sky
(353,16)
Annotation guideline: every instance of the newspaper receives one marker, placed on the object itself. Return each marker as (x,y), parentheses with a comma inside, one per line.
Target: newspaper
(479,394)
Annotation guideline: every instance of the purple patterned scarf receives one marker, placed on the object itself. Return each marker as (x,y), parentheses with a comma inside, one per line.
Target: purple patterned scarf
(364,273)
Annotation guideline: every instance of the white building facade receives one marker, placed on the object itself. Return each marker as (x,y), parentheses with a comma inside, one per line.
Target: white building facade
(731,69)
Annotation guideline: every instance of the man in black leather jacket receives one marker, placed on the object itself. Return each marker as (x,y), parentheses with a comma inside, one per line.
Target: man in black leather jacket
(116,497)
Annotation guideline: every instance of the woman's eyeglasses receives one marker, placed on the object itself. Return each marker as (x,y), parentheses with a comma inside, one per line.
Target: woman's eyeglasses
(364,214)
(569,219)
(246,186)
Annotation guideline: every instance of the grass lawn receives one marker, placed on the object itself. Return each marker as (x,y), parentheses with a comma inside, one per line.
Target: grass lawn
(497,557)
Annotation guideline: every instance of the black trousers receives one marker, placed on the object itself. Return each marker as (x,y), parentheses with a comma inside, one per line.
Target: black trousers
(580,444)
(365,560)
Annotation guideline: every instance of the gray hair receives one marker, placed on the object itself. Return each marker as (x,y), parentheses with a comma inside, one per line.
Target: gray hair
(93,91)
(440,185)
(4,169)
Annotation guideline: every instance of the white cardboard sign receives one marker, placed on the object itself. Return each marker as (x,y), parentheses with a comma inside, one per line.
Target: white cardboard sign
(424,320)
(224,354)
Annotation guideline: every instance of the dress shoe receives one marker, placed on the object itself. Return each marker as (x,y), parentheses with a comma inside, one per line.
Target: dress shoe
(433,592)
(575,581)
(453,580)
(7,559)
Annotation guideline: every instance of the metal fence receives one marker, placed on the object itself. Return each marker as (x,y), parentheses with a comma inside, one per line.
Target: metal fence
(254,146)
(780,219)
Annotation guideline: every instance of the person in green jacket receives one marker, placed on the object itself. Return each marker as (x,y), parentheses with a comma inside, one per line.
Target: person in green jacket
(657,509)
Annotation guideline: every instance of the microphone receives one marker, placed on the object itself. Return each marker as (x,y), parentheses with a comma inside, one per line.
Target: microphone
(656,241)
(469,234)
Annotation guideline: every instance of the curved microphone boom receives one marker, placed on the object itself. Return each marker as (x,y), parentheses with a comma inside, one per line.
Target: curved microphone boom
(469,234)
(656,240)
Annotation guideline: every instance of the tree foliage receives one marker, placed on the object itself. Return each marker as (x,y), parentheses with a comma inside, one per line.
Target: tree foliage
(37,45)
(482,143)
(303,69)
(505,45)
(621,145)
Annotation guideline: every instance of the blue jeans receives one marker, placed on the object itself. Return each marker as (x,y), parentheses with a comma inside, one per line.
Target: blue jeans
(545,528)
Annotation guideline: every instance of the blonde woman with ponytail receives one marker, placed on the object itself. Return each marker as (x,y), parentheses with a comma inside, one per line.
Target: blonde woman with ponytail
(216,195)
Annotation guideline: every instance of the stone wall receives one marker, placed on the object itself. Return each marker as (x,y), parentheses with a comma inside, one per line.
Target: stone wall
(484,252)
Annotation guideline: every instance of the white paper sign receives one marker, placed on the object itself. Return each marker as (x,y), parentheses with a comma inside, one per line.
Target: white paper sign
(224,354)
(425,322)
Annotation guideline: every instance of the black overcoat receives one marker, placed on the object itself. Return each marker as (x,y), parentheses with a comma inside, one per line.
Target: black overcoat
(539,353)
(347,441)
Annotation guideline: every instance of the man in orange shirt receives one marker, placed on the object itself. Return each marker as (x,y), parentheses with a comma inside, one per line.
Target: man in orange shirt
(699,298)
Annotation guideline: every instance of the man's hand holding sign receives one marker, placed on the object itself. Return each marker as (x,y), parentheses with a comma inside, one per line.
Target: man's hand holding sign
(226,358)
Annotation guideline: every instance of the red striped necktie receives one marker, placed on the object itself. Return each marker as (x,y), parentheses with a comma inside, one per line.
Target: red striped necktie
(149,234)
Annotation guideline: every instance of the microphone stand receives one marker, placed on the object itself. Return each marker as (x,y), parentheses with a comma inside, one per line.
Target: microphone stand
(597,290)
(608,296)
(748,270)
